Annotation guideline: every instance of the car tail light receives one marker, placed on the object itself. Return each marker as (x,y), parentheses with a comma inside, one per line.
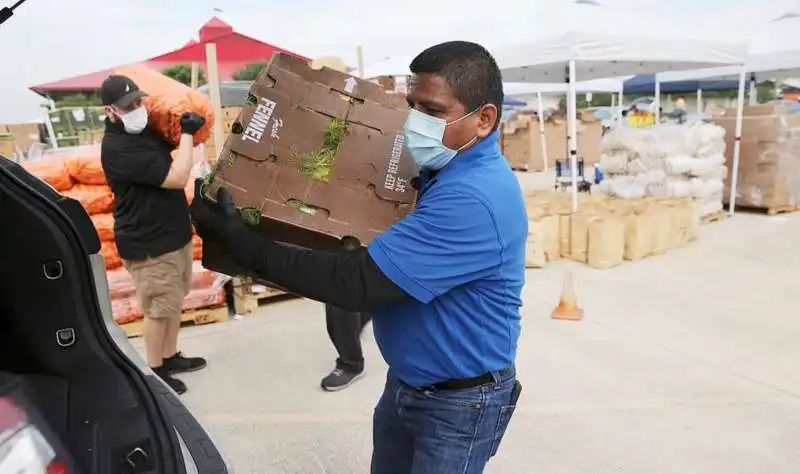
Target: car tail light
(23,448)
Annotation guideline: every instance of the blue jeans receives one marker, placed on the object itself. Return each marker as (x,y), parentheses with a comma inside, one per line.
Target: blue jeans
(439,432)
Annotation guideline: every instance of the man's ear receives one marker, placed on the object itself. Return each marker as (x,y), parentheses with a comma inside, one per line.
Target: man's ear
(487,117)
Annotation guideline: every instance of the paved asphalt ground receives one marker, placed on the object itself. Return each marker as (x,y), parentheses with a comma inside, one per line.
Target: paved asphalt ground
(685,363)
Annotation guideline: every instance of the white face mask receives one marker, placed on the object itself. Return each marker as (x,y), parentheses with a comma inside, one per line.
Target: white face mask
(135,121)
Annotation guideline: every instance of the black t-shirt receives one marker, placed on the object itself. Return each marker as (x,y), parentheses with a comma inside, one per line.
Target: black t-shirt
(149,220)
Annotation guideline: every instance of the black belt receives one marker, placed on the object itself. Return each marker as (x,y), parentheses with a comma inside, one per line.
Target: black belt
(463,384)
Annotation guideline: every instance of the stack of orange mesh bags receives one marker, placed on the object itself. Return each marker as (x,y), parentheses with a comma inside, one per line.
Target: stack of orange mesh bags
(77,173)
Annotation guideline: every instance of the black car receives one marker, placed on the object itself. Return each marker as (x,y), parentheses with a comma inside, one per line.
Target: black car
(75,397)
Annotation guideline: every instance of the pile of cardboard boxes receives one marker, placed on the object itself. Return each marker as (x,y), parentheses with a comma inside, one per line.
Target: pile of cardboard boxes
(521,140)
(606,231)
(769,160)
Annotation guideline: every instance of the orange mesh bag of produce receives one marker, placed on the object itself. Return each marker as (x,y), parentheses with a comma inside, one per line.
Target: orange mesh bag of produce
(110,254)
(204,298)
(167,100)
(53,171)
(197,247)
(86,169)
(126,310)
(95,199)
(104,225)
(201,277)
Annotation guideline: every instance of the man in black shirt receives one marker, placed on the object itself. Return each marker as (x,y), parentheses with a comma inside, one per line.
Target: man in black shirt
(152,228)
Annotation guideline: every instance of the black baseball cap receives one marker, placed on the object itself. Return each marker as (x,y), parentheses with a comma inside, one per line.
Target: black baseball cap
(119,91)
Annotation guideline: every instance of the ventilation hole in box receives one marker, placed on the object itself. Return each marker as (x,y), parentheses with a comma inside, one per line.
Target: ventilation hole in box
(318,164)
(237,128)
(272,158)
(251,100)
(306,208)
(350,243)
(250,215)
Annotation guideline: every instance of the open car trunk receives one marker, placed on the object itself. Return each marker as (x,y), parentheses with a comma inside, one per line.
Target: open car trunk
(58,340)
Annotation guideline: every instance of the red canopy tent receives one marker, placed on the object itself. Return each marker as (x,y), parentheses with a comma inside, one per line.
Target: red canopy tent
(234,52)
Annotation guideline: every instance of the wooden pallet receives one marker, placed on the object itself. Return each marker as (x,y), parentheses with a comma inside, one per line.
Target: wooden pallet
(781,210)
(195,317)
(770,211)
(714,217)
(245,301)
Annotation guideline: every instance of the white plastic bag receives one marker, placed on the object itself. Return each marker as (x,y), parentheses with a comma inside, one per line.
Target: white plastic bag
(678,164)
(705,188)
(677,187)
(614,163)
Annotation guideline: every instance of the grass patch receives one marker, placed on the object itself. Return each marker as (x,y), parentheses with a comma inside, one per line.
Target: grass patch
(318,164)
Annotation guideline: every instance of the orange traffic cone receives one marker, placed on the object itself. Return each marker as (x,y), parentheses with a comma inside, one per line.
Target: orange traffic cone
(567,308)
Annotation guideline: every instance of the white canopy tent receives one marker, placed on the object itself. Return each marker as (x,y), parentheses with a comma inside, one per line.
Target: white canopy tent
(772,55)
(594,48)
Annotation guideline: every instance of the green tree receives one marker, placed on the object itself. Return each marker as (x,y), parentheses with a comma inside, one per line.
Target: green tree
(249,72)
(183,74)
(80,100)
(765,93)
(599,99)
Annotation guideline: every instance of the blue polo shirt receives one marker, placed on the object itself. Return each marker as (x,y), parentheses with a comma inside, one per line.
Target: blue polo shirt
(461,256)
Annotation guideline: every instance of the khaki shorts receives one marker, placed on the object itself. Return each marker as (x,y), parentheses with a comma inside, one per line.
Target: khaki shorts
(162,282)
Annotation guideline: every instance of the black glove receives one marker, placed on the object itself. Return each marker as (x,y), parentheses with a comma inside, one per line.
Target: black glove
(191,122)
(215,222)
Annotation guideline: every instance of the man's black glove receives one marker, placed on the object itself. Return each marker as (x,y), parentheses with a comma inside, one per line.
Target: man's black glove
(191,122)
(215,222)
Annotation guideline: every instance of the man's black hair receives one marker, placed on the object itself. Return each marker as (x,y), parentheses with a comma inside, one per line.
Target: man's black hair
(470,71)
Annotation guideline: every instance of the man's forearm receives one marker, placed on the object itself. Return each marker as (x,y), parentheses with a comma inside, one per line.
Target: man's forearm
(350,280)
(181,168)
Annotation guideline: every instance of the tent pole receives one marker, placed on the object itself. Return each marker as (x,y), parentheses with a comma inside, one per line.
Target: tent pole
(658,100)
(572,128)
(214,92)
(360,60)
(541,129)
(619,104)
(699,101)
(737,142)
(195,75)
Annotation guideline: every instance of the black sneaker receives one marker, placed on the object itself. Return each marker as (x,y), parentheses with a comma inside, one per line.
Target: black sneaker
(339,379)
(175,384)
(178,363)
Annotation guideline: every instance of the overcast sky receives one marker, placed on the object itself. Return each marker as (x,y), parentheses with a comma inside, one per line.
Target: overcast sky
(48,40)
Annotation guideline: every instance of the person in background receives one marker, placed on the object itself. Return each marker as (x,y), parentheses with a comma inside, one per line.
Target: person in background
(344,329)
(152,227)
(444,283)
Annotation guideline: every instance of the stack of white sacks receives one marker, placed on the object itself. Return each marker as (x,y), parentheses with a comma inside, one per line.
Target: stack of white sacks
(665,161)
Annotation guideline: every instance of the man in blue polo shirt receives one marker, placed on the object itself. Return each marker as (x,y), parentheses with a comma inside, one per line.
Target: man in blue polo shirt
(444,283)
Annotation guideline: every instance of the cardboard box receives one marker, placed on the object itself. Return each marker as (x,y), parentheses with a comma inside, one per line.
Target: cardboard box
(271,159)
(7,145)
